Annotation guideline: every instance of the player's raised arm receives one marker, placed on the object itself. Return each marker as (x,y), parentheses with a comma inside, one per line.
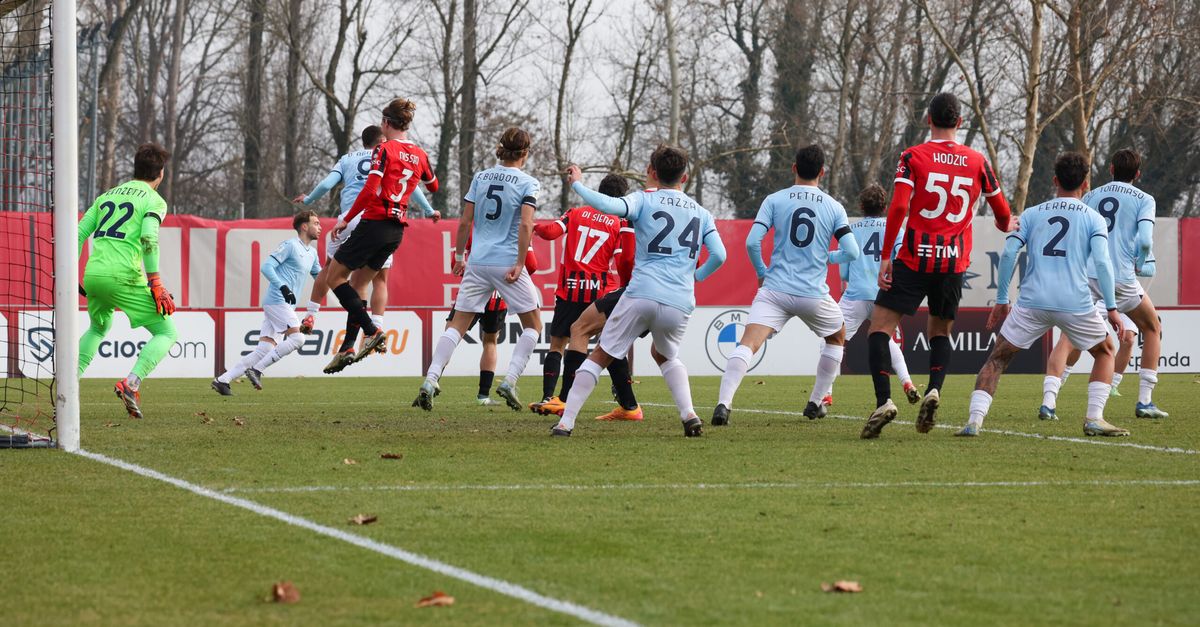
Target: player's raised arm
(716,251)
(330,181)
(620,207)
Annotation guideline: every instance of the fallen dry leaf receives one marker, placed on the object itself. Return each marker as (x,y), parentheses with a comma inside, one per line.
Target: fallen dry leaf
(112,424)
(238,422)
(842,586)
(760,382)
(206,420)
(437,599)
(285,592)
(391,456)
(349,462)
(201,414)
(363,519)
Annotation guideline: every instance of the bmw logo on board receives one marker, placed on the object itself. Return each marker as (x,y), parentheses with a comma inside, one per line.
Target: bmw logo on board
(722,337)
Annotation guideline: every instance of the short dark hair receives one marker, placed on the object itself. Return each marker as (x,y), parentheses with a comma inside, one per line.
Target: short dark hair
(669,163)
(872,200)
(1126,163)
(810,160)
(302,218)
(1071,170)
(614,185)
(371,136)
(944,110)
(149,161)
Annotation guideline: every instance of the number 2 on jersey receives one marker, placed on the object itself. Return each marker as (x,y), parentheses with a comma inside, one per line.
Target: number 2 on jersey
(114,231)
(689,238)
(584,234)
(1051,248)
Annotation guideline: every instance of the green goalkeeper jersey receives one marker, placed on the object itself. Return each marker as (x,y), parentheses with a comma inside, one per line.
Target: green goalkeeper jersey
(123,224)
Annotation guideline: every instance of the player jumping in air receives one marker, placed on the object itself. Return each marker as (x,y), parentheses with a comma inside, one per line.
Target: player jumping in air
(805,220)
(123,224)
(937,186)
(397,167)
(1128,214)
(498,213)
(351,172)
(860,276)
(1063,237)
(669,227)
(593,241)
(280,334)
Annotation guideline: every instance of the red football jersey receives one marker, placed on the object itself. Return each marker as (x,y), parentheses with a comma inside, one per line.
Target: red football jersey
(947,179)
(592,240)
(397,167)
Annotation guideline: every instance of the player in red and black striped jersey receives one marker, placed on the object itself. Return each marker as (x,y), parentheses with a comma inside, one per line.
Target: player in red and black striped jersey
(397,167)
(593,241)
(937,186)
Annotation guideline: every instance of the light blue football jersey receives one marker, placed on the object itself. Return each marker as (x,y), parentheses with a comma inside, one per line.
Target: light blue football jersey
(669,227)
(498,193)
(289,263)
(1123,208)
(353,167)
(863,273)
(804,218)
(1058,236)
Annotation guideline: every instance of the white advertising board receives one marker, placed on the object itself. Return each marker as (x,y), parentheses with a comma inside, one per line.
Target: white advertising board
(1180,345)
(192,355)
(402,358)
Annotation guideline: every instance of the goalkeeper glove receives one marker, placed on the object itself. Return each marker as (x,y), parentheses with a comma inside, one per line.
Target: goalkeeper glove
(288,296)
(163,301)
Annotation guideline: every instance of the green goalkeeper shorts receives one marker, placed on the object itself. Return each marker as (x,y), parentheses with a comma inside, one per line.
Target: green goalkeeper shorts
(130,295)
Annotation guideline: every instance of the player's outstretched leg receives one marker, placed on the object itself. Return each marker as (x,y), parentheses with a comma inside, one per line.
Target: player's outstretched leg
(531,321)
(163,338)
(1098,392)
(487,367)
(1056,367)
(89,343)
(1124,354)
(1146,319)
(586,378)
(735,369)
(221,383)
(828,367)
(292,341)
(552,366)
(676,377)
(879,357)
(985,384)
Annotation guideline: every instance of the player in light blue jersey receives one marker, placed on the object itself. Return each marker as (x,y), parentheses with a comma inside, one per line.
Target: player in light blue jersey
(497,213)
(285,270)
(1129,216)
(669,227)
(1063,236)
(805,220)
(350,172)
(861,278)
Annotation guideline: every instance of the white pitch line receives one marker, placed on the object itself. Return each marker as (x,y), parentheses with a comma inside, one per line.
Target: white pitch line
(1022,434)
(559,487)
(483,581)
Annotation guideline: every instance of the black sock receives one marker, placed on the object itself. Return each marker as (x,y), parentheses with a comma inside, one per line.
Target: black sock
(939,361)
(356,314)
(879,357)
(485,382)
(571,362)
(623,382)
(550,369)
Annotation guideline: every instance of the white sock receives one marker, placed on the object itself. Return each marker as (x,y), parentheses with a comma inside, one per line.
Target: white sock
(377,320)
(981,402)
(1147,380)
(281,350)
(441,354)
(520,356)
(1097,396)
(585,381)
(676,376)
(133,381)
(1050,387)
(735,370)
(313,307)
(247,362)
(898,364)
(827,371)
(1117,379)
(1066,372)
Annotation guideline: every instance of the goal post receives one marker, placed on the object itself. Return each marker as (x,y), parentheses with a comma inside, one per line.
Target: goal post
(66,217)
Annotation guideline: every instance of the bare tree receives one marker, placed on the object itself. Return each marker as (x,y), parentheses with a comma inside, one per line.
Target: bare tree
(578,17)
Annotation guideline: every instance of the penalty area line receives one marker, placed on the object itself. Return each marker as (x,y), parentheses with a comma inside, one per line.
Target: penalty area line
(500,586)
(1021,434)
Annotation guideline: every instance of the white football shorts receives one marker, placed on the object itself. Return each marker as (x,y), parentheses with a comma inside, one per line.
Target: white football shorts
(634,316)
(1025,325)
(277,319)
(479,282)
(773,309)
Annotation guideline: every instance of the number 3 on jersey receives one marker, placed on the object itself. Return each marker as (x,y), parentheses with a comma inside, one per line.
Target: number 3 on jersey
(936,184)
(689,238)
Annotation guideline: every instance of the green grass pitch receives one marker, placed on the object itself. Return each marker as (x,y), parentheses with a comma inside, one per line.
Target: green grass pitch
(633,520)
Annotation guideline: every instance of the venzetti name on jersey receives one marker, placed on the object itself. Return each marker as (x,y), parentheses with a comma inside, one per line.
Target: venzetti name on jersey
(950,159)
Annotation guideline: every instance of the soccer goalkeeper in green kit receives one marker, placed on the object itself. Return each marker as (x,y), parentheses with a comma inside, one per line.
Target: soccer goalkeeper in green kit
(123,224)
